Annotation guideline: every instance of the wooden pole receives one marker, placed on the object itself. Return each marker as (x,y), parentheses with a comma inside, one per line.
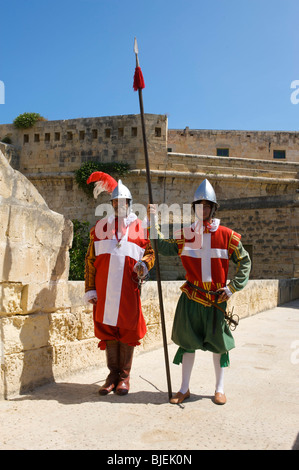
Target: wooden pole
(155,241)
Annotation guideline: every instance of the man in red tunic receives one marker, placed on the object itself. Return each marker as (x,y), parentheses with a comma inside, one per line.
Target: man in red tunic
(118,256)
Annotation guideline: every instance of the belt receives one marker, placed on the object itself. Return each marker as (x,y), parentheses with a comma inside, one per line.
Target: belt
(232,322)
(210,292)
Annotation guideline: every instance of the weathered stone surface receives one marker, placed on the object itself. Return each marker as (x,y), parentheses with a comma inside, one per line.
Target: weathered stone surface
(25,333)
(34,266)
(11,298)
(35,242)
(46,331)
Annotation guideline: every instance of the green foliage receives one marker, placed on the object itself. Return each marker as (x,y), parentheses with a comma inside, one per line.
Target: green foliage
(26,120)
(115,169)
(6,140)
(78,250)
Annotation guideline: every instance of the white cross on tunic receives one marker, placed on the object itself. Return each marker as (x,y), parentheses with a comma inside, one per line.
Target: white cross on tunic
(205,253)
(116,271)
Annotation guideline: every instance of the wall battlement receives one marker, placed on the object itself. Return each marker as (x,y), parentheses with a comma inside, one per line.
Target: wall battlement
(64,145)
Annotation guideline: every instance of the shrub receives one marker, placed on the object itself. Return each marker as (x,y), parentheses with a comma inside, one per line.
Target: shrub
(78,250)
(6,140)
(26,120)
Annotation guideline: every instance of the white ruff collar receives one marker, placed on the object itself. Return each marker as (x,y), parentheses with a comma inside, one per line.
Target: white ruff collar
(212,226)
(127,220)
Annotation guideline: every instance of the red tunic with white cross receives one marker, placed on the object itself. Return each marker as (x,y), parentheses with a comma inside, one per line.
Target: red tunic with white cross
(117,249)
(206,260)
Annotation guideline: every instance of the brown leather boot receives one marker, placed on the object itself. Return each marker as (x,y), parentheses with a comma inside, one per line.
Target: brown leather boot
(112,357)
(125,364)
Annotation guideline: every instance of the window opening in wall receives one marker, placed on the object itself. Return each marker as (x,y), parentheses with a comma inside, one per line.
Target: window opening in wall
(134,132)
(69,136)
(157,131)
(26,138)
(68,184)
(82,135)
(47,137)
(94,133)
(120,132)
(36,137)
(222,152)
(57,136)
(107,133)
(279,153)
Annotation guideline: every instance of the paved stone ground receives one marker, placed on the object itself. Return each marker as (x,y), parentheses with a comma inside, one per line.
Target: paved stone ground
(262,411)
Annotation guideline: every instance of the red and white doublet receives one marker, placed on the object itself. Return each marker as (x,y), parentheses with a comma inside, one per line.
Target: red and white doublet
(205,258)
(113,252)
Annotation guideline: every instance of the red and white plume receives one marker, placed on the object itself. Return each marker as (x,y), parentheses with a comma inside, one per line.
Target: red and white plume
(103,182)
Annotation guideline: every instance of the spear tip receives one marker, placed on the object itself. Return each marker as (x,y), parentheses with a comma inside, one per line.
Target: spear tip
(135,46)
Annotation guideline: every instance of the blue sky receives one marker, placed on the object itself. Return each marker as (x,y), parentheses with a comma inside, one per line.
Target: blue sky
(217,64)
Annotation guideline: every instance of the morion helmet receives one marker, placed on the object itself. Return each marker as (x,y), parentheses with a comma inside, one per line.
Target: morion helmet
(121,192)
(205,192)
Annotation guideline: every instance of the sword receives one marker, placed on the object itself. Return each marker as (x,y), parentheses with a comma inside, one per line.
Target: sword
(231,319)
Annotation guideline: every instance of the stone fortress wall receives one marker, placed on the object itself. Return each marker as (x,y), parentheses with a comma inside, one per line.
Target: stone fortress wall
(258,193)
(46,331)
(262,145)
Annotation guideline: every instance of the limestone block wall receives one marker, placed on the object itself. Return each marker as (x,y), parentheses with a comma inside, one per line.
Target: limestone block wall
(43,347)
(260,203)
(40,347)
(34,266)
(46,332)
(270,234)
(257,193)
(62,146)
(239,143)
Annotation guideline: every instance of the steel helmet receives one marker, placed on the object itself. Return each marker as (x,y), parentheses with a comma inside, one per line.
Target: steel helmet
(122,192)
(205,192)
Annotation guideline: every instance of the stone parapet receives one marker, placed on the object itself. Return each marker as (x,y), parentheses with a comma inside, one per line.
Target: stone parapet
(43,346)
(215,165)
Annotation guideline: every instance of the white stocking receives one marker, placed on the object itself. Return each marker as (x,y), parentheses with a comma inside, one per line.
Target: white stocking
(187,365)
(219,372)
